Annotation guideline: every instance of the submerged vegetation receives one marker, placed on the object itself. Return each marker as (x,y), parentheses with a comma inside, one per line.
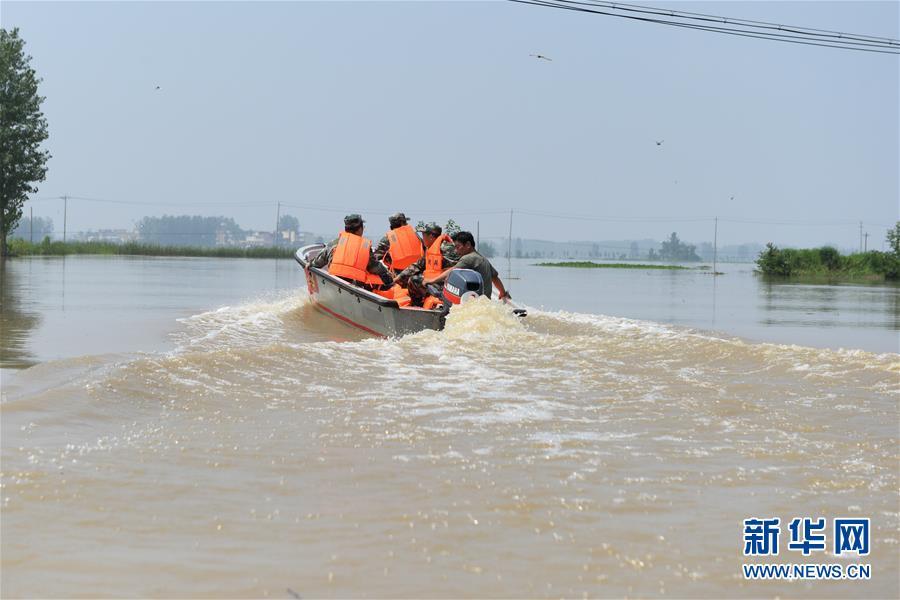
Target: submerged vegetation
(593,265)
(827,263)
(19,247)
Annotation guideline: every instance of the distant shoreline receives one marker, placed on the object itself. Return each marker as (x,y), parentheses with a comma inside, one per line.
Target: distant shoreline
(826,264)
(47,248)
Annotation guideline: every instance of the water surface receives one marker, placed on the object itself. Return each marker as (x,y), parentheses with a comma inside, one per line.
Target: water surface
(195,428)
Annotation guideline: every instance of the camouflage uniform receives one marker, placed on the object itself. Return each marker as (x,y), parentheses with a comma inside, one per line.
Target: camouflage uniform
(413,278)
(381,248)
(323,259)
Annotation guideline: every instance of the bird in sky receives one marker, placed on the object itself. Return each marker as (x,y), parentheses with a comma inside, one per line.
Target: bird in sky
(659,142)
(541,57)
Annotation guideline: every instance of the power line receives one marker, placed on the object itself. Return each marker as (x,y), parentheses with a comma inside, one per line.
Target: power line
(387,213)
(728,26)
(695,219)
(450,212)
(580,217)
(155,203)
(803,222)
(103,230)
(821,33)
(245,203)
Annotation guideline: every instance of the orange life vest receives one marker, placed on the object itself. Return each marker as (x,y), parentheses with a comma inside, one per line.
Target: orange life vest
(406,247)
(351,258)
(397,293)
(401,295)
(434,258)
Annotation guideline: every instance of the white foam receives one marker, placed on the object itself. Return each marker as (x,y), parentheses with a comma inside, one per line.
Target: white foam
(256,322)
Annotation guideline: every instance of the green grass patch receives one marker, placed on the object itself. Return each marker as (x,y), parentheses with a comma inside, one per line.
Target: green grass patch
(19,247)
(593,265)
(827,264)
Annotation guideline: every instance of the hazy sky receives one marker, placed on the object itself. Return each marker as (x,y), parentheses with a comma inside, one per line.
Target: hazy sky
(437,109)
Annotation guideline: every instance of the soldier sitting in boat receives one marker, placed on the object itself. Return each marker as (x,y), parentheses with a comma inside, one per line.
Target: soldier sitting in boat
(471,259)
(401,246)
(350,257)
(440,254)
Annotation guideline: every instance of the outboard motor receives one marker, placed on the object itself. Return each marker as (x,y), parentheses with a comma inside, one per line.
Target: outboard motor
(461,284)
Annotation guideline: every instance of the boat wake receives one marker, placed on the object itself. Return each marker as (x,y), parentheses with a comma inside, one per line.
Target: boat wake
(543,433)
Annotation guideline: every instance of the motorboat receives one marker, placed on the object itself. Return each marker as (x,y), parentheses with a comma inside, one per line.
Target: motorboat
(362,308)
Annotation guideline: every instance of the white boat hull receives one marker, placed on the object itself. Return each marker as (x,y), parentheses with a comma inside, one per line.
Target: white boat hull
(361,308)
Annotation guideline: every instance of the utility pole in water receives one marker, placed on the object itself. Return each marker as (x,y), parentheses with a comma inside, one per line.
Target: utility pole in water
(277,218)
(715,245)
(509,248)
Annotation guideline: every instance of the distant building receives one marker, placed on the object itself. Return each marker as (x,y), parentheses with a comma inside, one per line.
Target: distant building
(112,236)
(304,238)
(255,239)
(226,237)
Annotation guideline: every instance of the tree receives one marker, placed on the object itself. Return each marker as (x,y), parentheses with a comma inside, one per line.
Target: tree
(487,249)
(288,223)
(893,238)
(185,230)
(26,229)
(451,227)
(675,250)
(23,128)
(773,261)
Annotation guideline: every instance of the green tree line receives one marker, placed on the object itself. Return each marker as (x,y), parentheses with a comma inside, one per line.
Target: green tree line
(203,232)
(38,228)
(23,129)
(829,262)
(46,247)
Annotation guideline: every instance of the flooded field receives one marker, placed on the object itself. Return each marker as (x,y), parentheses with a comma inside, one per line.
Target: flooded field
(195,428)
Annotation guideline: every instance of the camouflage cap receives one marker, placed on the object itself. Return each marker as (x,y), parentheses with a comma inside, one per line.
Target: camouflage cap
(432,228)
(353,220)
(397,219)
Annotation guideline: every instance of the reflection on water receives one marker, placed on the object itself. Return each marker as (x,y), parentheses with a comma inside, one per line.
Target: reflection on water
(794,304)
(16,320)
(860,316)
(57,308)
(562,455)
(108,305)
(196,431)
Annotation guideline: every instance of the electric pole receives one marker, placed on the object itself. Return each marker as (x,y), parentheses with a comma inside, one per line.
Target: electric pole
(277,219)
(509,248)
(866,243)
(715,245)
(31,221)
(65,216)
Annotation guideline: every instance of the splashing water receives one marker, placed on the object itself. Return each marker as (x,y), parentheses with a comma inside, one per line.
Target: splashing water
(561,454)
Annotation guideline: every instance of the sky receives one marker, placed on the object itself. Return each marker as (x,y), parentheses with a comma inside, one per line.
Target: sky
(437,109)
